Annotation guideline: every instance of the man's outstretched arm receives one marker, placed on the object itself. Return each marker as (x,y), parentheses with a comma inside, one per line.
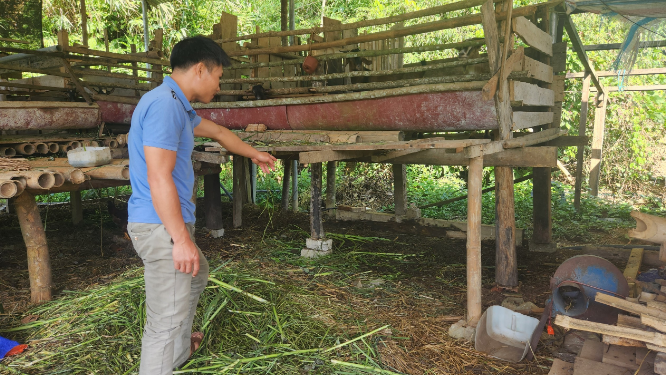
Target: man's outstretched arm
(233,144)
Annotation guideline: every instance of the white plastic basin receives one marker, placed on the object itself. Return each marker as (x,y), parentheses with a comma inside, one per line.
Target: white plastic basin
(89,156)
(504,334)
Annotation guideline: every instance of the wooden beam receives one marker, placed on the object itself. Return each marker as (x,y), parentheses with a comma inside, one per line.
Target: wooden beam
(607,73)
(533,36)
(316,225)
(635,88)
(577,45)
(400,188)
(610,46)
(534,138)
(632,307)
(531,95)
(322,156)
(597,146)
(331,167)
(285,184)
(582,127)
(76,206)
(522,157)
(474,182)
(239,190)
(39,264)
(522,120)
(633,265)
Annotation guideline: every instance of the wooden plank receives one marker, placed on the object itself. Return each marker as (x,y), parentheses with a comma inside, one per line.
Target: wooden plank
(558,88)
(559,59)
(584,366)
(633,264)
(597,146)
(538,70)
(531,95)
(614,340)
(630,321)
(533,36)
(592,350)
(560,367)
(621,356)
(656,304)
(534,138)
(653,322)
(322,156)
(209,157)
(608,73)
(523,120)
(660,363)
(606,329)
(392,155)
(632,307)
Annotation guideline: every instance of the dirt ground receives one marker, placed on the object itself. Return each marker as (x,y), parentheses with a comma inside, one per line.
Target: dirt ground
(412,282)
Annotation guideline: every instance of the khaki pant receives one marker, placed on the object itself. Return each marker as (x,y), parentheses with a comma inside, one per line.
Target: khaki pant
(171,299)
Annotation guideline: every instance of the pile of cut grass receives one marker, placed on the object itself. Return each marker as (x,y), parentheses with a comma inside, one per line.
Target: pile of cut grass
(251,326)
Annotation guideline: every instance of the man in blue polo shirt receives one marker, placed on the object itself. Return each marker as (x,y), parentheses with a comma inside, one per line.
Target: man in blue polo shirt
(161,213)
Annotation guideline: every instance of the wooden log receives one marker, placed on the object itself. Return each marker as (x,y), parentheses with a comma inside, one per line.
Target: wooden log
(648,227)
(76,206)
(39,264)
(474,181)
(239,190)
(533,36)
(506,270)
(331,167)
(597,146)
(422,28)
(400,189)
(606,329)
(285,185)
(212,202)
(316,225)
(582,126)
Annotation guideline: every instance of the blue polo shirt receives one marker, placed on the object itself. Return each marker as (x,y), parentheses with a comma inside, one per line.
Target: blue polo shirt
(165,119)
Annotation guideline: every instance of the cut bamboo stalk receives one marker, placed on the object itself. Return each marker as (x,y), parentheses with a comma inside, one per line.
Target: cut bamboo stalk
(25,149)
(108,172)
(7,151)
(71,174)
(53,147)
(58,178)
(121,139)
(41,148)
(648,227)
(109,142)
(38,179)
(74,144)
(8,189)
(39,264)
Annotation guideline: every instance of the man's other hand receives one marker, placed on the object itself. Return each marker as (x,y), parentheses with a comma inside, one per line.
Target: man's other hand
(265,161)
(186,257)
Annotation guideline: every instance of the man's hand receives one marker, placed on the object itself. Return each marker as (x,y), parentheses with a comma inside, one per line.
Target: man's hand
(265,161)
(186,257)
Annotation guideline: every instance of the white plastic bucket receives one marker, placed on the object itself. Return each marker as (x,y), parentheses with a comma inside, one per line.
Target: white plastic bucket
(504,333)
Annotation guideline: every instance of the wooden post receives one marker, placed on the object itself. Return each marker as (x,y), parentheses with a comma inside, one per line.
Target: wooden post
(316,226)
(238,190)
(285,185)
(253,183)
(135,72)
(474,240)
(580,152)
(294,185)
(597,145)
(331,166)
(76,206)
(212,202)
(284,18)
(84,24)
(400,189)
(39,264)
(506,267)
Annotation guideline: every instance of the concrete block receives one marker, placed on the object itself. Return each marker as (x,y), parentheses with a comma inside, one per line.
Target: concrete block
(309,253)
(216,233)
(319,245)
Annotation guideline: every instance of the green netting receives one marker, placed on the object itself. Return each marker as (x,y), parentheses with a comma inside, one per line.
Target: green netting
(22,20)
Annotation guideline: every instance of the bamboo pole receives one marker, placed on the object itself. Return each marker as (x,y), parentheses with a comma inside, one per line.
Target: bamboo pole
(366,23)
(38,179)
(39,264)
(70,174)
(33,87)
(41,148)
(102,73)
(468,20)
(474,181)
(108,172)
(366,73)
(7,151)
(442,87)
(58,178)
(25,149)
(367,53)
(138,57)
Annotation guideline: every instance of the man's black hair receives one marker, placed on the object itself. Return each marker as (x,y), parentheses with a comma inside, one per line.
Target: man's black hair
(196,49)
